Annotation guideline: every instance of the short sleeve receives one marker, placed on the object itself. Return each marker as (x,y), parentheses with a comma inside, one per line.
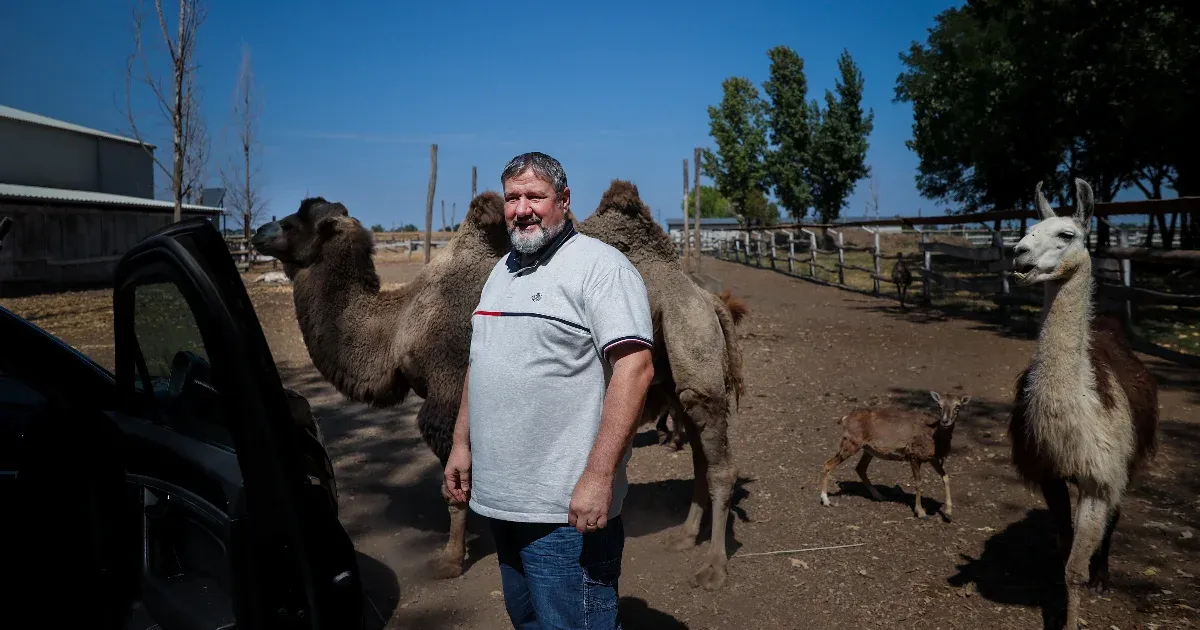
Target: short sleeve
(618,310)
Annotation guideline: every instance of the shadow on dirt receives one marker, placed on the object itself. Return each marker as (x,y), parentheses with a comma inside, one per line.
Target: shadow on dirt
(381,588)
(371,447)
(636,614)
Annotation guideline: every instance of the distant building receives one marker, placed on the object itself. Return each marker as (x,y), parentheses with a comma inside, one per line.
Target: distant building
(710,228)
(79,199)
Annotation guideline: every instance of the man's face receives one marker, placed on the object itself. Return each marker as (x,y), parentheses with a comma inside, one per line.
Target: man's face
(533,213)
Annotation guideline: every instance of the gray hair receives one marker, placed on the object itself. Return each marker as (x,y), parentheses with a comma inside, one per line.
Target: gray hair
(543,166)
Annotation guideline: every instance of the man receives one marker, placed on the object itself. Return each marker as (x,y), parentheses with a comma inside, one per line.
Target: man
(559,368)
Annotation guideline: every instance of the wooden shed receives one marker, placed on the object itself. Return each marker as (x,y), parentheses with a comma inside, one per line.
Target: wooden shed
(69,239)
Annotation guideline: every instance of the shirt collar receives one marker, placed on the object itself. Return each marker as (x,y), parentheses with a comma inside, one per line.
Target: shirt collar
(518,261)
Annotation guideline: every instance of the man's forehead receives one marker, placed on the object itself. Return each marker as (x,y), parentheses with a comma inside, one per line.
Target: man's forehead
(527,179)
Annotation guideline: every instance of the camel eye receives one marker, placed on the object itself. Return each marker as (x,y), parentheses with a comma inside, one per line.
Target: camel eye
(1067,235)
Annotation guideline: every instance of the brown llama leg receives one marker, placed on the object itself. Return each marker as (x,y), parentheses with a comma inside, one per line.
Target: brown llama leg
(847,450)
(1089,530)
(1058,501)
(916,471)
(861,469)
(948,505)
(1098,568)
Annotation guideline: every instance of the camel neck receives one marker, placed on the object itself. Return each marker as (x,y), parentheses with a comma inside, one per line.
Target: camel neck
(1062,359)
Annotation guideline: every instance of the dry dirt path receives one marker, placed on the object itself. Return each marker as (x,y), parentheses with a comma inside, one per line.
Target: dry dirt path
(811,354)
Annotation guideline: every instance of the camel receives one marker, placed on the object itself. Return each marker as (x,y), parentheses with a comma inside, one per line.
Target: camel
(375,346)
(1086,408)
(697,363)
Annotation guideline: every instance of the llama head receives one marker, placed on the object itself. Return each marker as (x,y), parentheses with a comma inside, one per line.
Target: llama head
(1056,246)
(950,405)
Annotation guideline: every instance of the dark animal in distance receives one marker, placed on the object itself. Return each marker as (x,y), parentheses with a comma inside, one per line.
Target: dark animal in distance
(902,277)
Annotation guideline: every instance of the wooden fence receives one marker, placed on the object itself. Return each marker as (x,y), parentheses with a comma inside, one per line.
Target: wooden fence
(794,249)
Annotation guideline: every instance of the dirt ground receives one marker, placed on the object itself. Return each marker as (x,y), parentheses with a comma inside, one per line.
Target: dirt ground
(811,354)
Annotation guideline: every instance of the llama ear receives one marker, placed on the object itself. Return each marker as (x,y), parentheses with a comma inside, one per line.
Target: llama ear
(1085,202)
(964,400)
(1043,206)
(936,396)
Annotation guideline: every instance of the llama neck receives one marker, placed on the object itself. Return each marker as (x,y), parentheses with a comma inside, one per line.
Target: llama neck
(1062,362)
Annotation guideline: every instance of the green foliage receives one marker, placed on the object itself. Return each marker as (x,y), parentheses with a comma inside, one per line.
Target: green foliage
(790,131)
(1007,94)
(377,228)
(738,126)
(408,227)
(712,203)
(837,156)
(815,156)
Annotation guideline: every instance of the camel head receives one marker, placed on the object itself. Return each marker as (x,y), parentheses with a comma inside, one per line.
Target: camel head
(297,239)
(1055,247)
(949,405)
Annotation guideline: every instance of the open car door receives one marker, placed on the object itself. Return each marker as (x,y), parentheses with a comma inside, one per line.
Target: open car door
(236,529)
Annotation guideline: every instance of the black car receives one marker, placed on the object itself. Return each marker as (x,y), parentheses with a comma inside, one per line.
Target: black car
(185,491)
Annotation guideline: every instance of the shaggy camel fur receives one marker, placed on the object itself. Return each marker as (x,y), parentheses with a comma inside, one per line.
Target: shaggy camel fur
(697,363)
(424,326)
(1085,409)
(374,346)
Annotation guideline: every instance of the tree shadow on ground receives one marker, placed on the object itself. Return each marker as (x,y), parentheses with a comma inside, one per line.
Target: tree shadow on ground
(636,614)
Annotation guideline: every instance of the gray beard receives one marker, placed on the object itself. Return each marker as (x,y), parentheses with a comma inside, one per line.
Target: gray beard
(530,243)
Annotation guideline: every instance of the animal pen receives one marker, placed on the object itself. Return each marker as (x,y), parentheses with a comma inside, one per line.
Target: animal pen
(950,258)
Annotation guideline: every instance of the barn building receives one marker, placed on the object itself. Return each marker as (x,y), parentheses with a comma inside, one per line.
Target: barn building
(79,199)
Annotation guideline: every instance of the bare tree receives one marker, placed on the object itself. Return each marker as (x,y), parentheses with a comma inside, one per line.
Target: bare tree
(195,136)
(177,101)
(873,202)
(240,177)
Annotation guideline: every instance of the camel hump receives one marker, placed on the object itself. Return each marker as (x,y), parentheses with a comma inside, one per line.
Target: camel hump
(622,196)
(486,209)
(738,309)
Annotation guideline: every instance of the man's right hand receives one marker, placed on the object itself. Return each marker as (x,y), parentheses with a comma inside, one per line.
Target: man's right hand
(457,478)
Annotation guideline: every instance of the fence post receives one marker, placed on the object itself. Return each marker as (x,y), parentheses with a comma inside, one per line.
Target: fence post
(772,233)
(1126,280)
(758,248)
(812,252)
(747,244)
(841,244)
(877,254)
(998,243)
(791,252)
(927,268)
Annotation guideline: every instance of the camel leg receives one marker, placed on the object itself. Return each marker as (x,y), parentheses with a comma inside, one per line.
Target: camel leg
(708,432)
(1092,515)
(1098,568)
(916,470)
(948,505)
(861,469)
(846,451)
(449,563)
(685,537)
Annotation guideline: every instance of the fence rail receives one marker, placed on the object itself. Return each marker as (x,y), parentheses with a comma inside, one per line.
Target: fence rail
(991,263)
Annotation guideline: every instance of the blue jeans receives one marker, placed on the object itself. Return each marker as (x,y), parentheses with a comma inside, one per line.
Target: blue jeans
(554,577)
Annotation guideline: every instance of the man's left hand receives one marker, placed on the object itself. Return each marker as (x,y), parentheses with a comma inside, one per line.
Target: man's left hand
(590,502)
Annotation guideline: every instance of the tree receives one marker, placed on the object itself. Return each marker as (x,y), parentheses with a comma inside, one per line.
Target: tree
(177,101)
(738,126)
(240,176)
(712,203)
(791,133)
(839,142)
(757,210)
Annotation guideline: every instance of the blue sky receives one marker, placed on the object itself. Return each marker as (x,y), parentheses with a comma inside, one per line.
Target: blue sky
(354,93)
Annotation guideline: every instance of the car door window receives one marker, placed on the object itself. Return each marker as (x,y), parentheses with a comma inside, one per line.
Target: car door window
(177,366)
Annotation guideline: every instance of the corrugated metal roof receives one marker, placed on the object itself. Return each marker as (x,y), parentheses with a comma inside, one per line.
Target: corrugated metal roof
(38,193)
(45,121)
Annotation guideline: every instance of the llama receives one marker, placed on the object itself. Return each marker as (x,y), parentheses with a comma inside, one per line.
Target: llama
(898,435)
(1085,408)
(902,277)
